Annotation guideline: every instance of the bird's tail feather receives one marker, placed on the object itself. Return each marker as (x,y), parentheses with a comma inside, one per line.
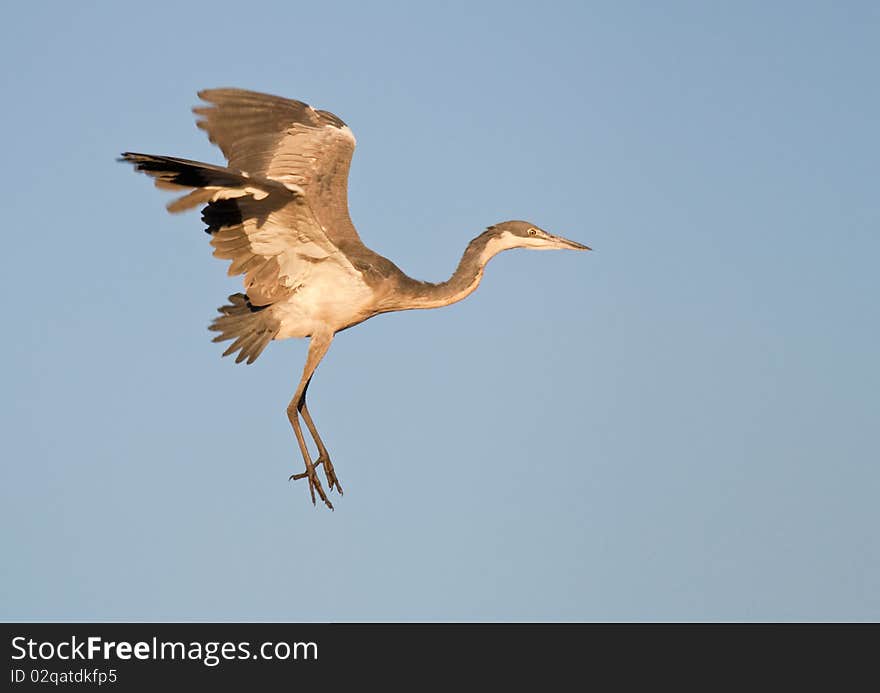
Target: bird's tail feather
(250,326)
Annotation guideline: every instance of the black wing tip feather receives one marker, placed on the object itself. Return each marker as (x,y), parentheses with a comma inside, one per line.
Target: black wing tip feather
(131,157)
(186,172)
(144,162)
(147,162)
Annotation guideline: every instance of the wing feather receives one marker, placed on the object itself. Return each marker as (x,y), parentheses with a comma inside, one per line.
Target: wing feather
(288,141)
(267,230)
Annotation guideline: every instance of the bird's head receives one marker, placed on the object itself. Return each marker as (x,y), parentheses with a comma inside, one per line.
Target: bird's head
(522,234)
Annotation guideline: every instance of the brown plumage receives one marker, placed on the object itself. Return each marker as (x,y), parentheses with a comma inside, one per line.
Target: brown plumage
(279,213)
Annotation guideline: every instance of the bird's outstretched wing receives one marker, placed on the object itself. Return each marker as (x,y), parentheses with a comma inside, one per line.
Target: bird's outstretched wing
(288,141)
(265,227)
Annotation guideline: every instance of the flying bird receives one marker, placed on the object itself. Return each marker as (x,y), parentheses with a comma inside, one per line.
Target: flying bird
(279,213)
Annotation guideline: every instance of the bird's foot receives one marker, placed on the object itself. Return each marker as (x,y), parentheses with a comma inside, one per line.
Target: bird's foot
(314,483)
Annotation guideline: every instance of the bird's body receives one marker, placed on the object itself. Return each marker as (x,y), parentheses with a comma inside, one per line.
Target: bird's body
(279,213)
(334,298)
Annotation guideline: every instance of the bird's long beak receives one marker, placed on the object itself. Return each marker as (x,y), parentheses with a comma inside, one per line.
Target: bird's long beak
(565,244)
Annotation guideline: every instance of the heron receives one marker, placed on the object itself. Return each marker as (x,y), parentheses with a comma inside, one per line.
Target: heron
(278,211)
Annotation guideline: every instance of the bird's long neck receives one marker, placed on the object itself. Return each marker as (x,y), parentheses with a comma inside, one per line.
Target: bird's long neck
(464,280)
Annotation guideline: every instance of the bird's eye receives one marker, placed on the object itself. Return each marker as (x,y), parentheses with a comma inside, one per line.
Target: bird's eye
(533,232)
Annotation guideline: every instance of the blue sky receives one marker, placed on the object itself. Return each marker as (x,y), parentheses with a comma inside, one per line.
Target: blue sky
(681,425)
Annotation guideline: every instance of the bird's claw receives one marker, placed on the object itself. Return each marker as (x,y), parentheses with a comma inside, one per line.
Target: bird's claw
(332,479)
(314,484)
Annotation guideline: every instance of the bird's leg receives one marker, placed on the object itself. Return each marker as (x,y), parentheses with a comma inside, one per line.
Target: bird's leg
(317,348)
(323,455)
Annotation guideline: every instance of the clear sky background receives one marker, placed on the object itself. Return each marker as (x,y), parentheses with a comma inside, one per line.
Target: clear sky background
(682,425)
